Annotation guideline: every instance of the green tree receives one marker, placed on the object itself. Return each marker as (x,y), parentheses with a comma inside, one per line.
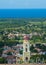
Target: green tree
(21,51)
(2,60)
(1,50)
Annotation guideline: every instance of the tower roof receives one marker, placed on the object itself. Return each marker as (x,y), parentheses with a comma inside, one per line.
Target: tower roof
(26,37)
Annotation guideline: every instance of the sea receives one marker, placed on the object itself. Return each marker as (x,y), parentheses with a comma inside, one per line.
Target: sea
(22,13)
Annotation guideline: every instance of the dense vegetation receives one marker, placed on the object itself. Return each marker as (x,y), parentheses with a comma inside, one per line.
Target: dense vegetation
(23,25)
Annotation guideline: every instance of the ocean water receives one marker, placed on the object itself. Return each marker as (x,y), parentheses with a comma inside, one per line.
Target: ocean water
(22,13)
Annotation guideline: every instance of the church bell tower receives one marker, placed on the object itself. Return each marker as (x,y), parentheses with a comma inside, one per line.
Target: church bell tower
(26,49)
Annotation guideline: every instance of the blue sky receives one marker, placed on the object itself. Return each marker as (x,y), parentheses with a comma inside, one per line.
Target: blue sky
(22,4)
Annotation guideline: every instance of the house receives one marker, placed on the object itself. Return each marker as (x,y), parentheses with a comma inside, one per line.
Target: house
(43,53)
(10,56)
(11,59)
(11,36)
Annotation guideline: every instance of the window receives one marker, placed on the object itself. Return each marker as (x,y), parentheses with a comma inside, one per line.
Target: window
(26,49)
(26,58)
(26,45)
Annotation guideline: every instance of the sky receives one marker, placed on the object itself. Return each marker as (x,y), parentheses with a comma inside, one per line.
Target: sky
(17,4)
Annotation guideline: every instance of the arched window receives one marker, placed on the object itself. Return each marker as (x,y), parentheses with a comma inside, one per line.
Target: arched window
(26,49)
(26,45)
(26,58)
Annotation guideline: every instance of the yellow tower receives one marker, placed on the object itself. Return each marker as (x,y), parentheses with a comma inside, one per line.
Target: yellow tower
(26,49)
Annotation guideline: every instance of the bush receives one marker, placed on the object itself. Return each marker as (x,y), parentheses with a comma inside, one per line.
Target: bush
(2,60)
